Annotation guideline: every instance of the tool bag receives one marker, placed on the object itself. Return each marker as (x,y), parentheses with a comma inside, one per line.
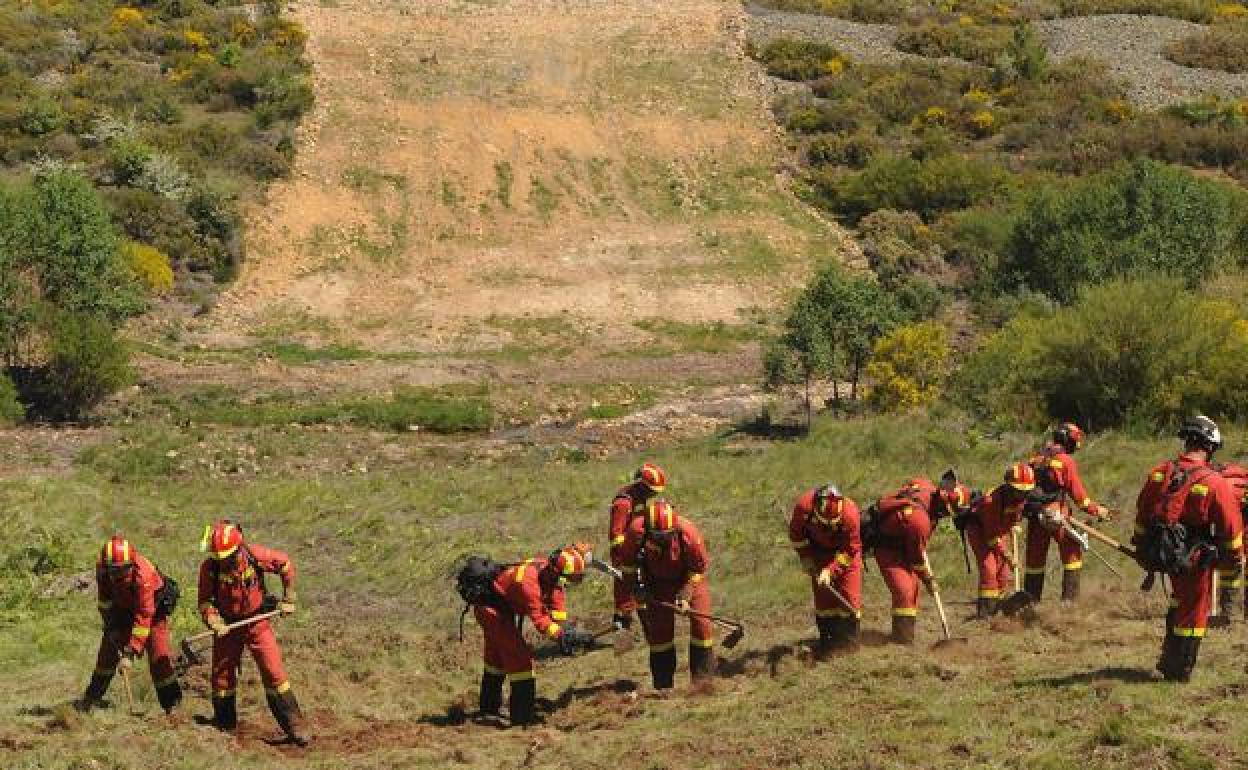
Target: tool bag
(1167,546)
(475,584)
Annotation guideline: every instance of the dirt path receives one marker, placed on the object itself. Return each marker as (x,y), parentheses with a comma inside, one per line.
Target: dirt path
(1131,47)
(575,165)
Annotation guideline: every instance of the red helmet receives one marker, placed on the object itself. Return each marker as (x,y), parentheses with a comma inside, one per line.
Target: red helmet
(117,553)
(652,476)
(222,539)
(660,516)
(1021,476)
(956,499)
(1069,436)
(569,563)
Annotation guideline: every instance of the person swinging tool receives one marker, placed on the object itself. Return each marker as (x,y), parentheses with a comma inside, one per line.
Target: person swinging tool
(501,598)
(897,528)
(824,529)
(987,525)
(1187,522)
(135,601)
(232,590)
(630,503)
(1049,508)
(664,565)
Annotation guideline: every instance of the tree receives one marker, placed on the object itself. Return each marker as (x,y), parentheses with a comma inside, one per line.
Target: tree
(909,367)
(830,331)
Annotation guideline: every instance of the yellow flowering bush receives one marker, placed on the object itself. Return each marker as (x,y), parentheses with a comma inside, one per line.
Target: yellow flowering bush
(196,39)
(127,18)
(982,123)
(149,265)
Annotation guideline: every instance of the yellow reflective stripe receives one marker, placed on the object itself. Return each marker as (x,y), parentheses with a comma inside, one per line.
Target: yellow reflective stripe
(281,688)
(1056,464)
(141,632)
(1074,565)
(705,644)
(559,615)
(285,568)
(906,612)
(1189,632)
(519,573)
(104,604)
(1235,542)
(800,543)
(553,630)
(1200,490)
(492,670)
(521,676)
(697,577)
(663,647)
(1086,503)
(843,559)
(617,540)
(1158,476)
(222,693)
(989,593)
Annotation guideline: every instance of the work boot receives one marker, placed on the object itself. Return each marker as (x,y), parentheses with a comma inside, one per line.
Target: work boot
(850,637)
(903,629)
(287,714)
(169,694)
(1182,658)
(1033,583)
(1226,609)
(491,699)
(225,712)
(701,662)
(95,691)
(825,626)
(1070,584)
(663,668)
(523,702)
(986,607)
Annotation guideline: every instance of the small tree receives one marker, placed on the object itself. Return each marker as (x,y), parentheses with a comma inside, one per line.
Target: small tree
(909,367)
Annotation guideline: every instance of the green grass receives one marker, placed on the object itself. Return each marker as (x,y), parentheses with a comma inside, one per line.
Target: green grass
(702,337)
(373,652)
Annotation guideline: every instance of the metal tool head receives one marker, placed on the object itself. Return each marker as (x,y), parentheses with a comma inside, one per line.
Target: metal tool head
(734,637)
(603,567)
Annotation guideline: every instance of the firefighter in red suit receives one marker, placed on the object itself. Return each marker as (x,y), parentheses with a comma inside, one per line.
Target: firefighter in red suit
(1231,585)
(825,531)
(1190,490)
(1059,486)
(630,503)
(901,524)
(532,589)
(231,589)
(988,525)
(665,560)
(129,590)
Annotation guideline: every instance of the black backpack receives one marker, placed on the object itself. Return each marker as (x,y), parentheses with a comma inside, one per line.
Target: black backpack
(869,528)
(1167,546)
(475,584)
(167,596)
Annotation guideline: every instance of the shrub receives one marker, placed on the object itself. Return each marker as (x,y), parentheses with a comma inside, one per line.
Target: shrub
(149,265)
(927,187)
(909,366)
(1142,217)
(977,43)
(898,246)
(800,59)
(85,363)
(1220,47)
(11,410)
(1127,351)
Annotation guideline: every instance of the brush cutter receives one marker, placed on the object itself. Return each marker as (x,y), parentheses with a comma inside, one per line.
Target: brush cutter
(736,628)
(949,639)
(192,656)
(1096,534)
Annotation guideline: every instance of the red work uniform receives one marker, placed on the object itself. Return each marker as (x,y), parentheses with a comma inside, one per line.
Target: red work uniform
(991,522)
(667,573)
(905,524)
(833,542)
(236,594)
(1210,511)
(1057,478)
(628,504)
(128,608)
(524,595)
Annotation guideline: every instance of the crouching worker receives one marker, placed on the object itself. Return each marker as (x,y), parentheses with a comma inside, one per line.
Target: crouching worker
(232,590)
(664,564)
(135,601)
(502,597)
(824,530)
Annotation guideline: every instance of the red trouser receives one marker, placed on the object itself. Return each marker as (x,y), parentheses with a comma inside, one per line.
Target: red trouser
(659,623)
(227,653)
(995,575)
(505,649)
(159,652)
(624,602)
(1038,539)
(1191,598)
(903,582)
(849,585)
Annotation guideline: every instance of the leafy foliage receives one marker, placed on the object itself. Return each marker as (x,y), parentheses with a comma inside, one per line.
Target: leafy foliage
(908,367)
(85,362)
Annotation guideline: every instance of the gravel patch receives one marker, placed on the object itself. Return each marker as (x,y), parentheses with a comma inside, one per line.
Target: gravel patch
(1132,49)
(1130,46)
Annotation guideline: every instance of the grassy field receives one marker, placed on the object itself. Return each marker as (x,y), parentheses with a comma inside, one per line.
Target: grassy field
(375,658)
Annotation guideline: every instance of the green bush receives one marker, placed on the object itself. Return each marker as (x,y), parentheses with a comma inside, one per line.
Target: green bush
(1139,218)
(1145,351)
(85,363)
(799,59)
(11,410)
(899,246)
(979,43)
(1220,47)
(928,187)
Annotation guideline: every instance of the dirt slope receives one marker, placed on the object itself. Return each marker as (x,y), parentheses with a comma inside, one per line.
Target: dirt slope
(582,161)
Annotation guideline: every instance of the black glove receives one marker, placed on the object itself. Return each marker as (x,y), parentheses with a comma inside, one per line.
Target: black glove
(574,638)
(622,620)
(640,593)
(959,522)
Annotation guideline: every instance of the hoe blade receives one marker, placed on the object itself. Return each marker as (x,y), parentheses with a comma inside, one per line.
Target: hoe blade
(734,637)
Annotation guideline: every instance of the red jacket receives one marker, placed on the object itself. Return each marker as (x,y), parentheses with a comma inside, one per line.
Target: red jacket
(995,517)
(529,596)
(629,503)
(130,600)
(683,561)
(904,519)
(1062,473)
(238,593)
(1211,508)
(820,542)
